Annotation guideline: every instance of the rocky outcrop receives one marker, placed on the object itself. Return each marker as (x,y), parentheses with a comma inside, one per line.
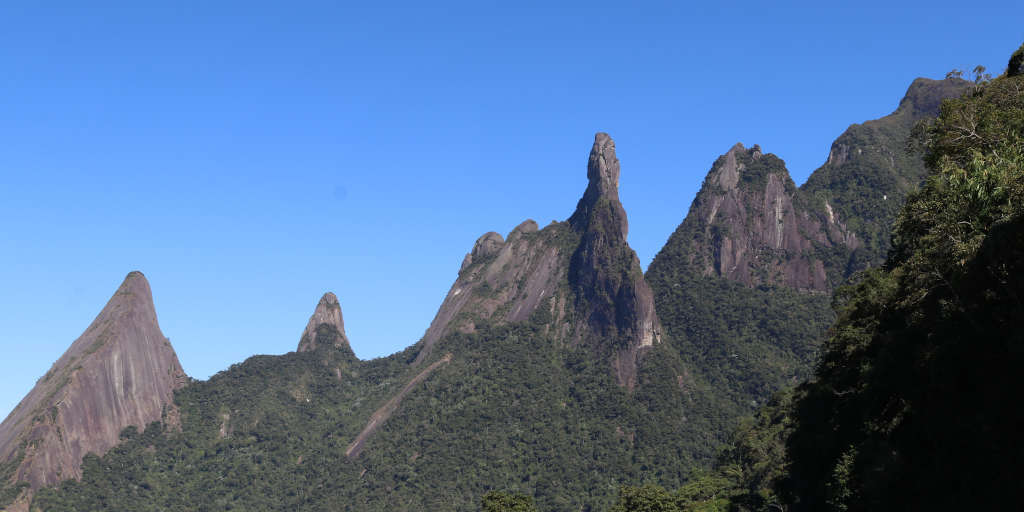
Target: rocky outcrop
(326,328)
(748,224)
(503,281)
(122,371)
(612,299)
(580,277)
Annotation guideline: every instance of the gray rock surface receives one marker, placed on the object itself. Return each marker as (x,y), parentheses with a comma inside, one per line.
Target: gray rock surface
(325,326)
(121,371)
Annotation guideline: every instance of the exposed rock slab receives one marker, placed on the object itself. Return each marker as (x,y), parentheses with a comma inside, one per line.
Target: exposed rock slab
(121,371)
(748,224)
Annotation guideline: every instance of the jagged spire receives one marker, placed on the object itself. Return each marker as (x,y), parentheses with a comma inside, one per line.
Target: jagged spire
(604,272)
(326,326)
(603,168)
(603,184)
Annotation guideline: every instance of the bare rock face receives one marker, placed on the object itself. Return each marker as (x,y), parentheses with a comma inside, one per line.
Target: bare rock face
(748,224)
(326,327)
(580,276)
(501,281)
(122,371)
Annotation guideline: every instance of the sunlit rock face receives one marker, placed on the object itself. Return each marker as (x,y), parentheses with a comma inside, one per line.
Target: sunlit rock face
(122,371)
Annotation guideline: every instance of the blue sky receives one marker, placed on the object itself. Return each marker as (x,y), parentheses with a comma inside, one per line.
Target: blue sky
(249,156)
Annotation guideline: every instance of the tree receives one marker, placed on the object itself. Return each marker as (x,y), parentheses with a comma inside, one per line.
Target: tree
(646,498)
(496,501)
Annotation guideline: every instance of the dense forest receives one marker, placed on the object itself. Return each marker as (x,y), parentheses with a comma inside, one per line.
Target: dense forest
(910,403)
(911,406)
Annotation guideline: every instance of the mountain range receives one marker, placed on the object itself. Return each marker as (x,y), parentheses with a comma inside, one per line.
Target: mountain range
(555,366)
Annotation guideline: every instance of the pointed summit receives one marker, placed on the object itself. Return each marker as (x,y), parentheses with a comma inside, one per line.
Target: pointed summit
(603,183)
(326,327)
(749,224)
(121,371)
(605,273)
(607,305)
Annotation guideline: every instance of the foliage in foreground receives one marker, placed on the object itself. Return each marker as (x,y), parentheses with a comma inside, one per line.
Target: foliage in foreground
(911,407)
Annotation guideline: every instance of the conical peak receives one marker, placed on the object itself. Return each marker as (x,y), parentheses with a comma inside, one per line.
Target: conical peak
(121,371)
(136,286)
(603,168)
(325,321)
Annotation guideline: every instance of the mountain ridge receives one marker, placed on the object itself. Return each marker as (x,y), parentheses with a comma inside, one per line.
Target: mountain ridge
(555,361)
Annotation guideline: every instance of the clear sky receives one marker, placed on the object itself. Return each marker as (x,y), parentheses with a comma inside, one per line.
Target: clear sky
(249,156)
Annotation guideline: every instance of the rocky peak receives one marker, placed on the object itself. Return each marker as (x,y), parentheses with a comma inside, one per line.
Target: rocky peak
(487,246)
(527,226)
(602,187)
(611,296)
(608,305)
(121,371)
(748,224)
(326,327)
(868,173)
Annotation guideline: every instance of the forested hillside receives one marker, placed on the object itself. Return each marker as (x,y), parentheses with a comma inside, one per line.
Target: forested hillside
(554,378)
(911,406)
(743,286)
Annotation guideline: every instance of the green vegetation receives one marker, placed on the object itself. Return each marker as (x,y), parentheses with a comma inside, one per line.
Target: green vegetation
(514,410)
(911,407)
(495,501)
(739,344)
(869,173)
(743,343)
(10,491)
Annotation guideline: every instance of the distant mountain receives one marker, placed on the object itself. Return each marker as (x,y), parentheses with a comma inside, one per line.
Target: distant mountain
(551,369)
(743,286)
(121,372)
(581,275)
(911,406)
(868,174)
(545,370)
(750,224)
